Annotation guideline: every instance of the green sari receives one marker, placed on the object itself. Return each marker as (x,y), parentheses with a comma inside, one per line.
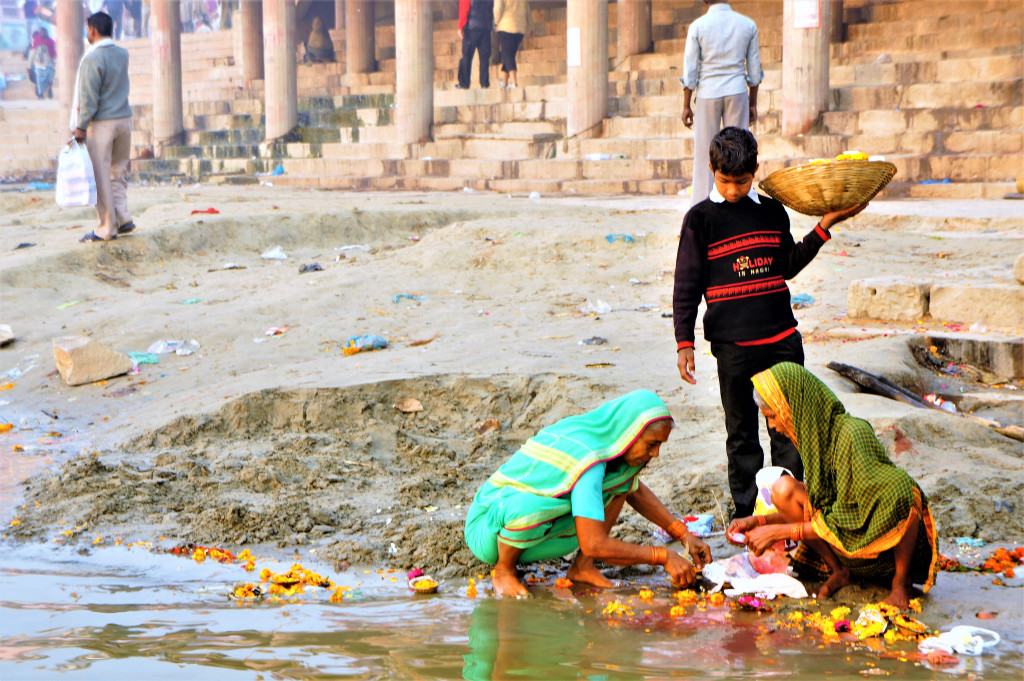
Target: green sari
(525,503)
(861,500)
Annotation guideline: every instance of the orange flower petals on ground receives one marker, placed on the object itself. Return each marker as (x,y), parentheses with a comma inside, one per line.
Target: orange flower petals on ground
(563,583)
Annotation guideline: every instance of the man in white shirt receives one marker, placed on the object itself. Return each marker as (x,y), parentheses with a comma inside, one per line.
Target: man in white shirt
(722,60)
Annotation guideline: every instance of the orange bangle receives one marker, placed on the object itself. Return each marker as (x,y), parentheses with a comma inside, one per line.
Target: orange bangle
(677,530)
(796,532)
(761,520)
(659,555)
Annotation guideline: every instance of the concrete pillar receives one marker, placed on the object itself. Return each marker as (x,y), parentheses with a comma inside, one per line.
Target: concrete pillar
(634,27)
(339,14)
(587,61)
(805,62)
(70,47)
(414,77)
(280,77)
(168,124)
(360,42)
(250,25)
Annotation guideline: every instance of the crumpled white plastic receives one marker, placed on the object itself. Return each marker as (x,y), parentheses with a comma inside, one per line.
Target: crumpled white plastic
(962,639)
(767,586)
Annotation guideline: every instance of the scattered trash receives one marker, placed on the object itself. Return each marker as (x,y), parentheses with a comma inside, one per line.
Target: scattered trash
(488,425)
(40,186)
(143,358)
(279,170)
(186,348)
(208,211)
(468,190)
(227,266)
(277,330)
(978,327)
(701,524)
(965,640)
(594,340)
(945,405)
(407,296)
(969,541)
(191,301)
(801,300)
(275,253)
(23,244)
(599,365)
(666,315)
(624,238)
(312,267)
(353,247)
(64,306)
(364,343)
(943,181)
(986,615)
(163,347)
(534,195)
(113,281)
(424,341)
(600,308)
(603,157)
(409,405)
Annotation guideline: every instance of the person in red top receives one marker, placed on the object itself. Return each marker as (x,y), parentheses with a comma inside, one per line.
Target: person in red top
(476,19)
(736,252)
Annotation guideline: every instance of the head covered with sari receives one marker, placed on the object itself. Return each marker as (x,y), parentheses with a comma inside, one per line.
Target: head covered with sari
(862,501)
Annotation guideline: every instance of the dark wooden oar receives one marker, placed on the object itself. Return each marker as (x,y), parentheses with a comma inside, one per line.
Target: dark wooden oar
(880,385)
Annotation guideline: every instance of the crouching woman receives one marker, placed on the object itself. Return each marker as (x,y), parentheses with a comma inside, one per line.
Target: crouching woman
(564,489)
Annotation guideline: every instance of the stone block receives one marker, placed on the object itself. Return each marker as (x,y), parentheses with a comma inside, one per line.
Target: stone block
(1002,356)
(890,298)
(992,304)
(1018,265)
(80,360)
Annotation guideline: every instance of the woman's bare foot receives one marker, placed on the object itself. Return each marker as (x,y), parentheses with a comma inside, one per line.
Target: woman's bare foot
(837,581)
(506,583)
(583,570)
(900,597)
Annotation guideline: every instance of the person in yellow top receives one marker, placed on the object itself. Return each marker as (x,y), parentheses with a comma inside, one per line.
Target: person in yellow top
(513,21)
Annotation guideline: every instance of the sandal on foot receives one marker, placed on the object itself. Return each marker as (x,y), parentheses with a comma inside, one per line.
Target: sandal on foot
(126,228)
(91,237)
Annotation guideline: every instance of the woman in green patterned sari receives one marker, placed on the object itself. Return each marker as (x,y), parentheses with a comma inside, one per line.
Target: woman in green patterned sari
(860,513)
(564,489)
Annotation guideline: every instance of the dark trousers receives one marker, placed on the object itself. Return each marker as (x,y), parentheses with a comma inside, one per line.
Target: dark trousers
(508,44)
(736,366)
(475,40)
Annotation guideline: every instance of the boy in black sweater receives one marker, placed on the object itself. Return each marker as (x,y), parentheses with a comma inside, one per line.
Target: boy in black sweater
(736,252)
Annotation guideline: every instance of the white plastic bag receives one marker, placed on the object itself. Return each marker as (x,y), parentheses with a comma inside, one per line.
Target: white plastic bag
(76,184)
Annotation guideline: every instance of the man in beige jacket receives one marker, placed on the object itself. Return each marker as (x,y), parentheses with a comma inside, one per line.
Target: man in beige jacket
(101,107)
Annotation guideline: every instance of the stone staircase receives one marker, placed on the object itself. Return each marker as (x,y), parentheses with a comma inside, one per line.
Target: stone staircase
(935,87)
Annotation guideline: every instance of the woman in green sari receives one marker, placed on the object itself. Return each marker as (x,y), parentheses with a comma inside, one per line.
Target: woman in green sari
(564,489)
(860,513)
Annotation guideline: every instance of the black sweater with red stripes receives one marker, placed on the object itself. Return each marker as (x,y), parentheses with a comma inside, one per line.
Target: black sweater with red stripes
(738,256)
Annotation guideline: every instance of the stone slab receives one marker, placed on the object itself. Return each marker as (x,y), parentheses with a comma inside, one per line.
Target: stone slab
(992,304)
(890,298)
(81,360)
(1018,268)
(1001,356)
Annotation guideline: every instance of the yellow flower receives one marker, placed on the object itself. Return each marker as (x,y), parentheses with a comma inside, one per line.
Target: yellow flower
(840,613)
(717,599)
(15,522)
(686,597)
(645,594)
(677,611)
(796,617)
(616,608)
(265,575)
(249,566)
(245,556)
(915,604)
(199,555)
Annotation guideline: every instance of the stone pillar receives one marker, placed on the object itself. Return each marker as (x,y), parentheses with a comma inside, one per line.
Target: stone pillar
(280,77)
(634,27)
(587,61)
(250,25)
(360,42)
(414,77)
(168,123)
(70,47)
(805,64)
(838,22)
(339,14)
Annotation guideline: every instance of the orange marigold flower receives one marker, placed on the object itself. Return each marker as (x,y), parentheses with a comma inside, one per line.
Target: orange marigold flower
(265,574)
(717,598)
(250,566)
(686,597)
(199,555)
(677,611)
(245,555)
(645,594)
(563,583)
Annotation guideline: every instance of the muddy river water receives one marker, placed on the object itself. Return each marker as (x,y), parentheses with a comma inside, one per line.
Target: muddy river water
(135,613)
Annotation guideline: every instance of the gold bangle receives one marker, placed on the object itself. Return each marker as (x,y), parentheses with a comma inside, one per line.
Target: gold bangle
(659,555)
(677,530)
(796,532)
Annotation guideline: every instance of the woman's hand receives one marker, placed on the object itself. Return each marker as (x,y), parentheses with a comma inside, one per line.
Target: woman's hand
(741,525)
(679,569)
(698,549)
(760,539)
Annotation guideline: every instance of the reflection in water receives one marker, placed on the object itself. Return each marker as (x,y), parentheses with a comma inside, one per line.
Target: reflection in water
(137,615)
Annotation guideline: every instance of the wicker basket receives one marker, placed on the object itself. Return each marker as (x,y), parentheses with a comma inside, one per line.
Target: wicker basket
(819,188)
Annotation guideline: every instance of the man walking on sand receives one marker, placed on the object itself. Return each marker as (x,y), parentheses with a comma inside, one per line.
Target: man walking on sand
(101,106)
(722,59)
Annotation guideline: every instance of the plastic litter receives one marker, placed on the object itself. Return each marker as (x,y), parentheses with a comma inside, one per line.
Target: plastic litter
(1003,506)
(277,330)
(40,186)
(72,303)
(624,238)
(187,348)
(353,247)
(701,524)
(600,307)
(207,211)
(407,296)
(942,404)
(534,195)
(191,301)
(594,340)
(275,253)
(603,157)
(138,358)
(312,267)
(965,640)
(969,541)
(364,343)
(801,300)
(23,244)
(977,327)
(279,170)
(163,347)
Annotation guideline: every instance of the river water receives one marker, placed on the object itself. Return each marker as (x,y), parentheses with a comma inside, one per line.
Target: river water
(133,613)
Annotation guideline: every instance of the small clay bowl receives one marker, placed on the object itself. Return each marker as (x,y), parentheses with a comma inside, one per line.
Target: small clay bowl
(424,584)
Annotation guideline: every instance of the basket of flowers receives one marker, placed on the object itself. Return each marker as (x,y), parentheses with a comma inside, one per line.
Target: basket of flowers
(826,185)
